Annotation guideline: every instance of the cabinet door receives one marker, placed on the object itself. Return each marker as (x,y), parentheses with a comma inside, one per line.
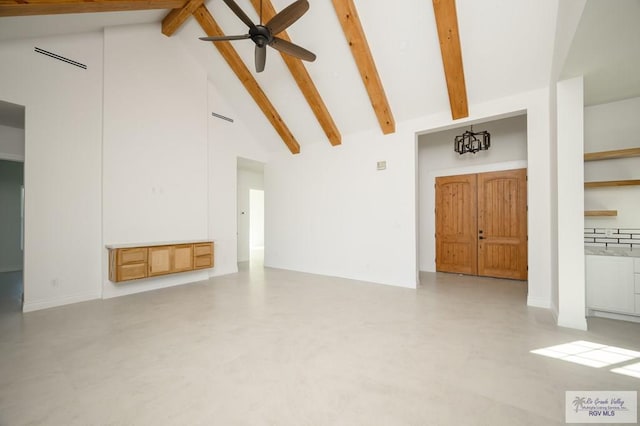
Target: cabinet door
(182,258)
(610,283)
(160,260)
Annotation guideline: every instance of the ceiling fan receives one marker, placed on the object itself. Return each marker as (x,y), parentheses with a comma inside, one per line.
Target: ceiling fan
(265,35)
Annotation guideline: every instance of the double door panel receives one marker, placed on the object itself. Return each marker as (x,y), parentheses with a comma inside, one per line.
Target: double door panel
(481,224)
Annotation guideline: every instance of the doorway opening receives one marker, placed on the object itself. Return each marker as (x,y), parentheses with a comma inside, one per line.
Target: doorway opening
(256,227)
(250,214)
(437,160)
(11,206)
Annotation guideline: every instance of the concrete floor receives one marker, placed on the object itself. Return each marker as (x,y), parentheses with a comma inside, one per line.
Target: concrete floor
(274,347)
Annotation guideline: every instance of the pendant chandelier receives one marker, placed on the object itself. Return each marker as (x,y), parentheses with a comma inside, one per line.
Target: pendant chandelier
(471,141)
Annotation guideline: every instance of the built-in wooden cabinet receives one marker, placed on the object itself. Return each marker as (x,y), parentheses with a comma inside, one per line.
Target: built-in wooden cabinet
(132,263)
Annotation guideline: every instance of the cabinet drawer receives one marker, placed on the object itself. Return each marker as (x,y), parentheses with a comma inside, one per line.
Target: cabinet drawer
(132,255)
(202,249)
(132,272)
(636,265)
(637,283)
(203,262)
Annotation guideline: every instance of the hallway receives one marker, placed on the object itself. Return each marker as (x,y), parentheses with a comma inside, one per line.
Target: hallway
(10,292)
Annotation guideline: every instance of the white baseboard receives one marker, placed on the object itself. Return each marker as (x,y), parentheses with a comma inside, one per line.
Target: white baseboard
(611,315)
(11,268)
(554,311)
(578,322)
(538,303)
(45,304)
(220,272)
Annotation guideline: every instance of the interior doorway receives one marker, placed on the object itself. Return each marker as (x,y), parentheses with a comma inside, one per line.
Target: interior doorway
(256,227)
(250,213)
(481,224)
(437,158)
(12,143)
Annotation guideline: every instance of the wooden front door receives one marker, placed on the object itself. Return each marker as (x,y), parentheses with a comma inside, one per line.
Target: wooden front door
(456,224)
(502,224)
(481,224)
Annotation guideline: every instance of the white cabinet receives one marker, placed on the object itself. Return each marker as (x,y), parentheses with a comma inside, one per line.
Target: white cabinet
(611,284)
(637,284)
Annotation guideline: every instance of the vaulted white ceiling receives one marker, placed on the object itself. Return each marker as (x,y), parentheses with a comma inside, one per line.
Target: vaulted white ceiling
(606,50)
(507,48)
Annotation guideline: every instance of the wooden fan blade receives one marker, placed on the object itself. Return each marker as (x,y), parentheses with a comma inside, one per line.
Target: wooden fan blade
(239,13)
(260,57)
(292,49)
(287,16)
(226,38)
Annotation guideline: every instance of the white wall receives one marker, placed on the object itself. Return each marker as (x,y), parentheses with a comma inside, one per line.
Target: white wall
(571,279)
(11,143)
(155,147)
(436,157)
(567,21)
(227,142)
(607,127)
(330,212)
(247,180)
(167,168)
(11,180)
(62,164)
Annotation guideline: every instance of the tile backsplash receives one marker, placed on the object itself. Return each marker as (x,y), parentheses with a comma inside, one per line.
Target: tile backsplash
(612,237)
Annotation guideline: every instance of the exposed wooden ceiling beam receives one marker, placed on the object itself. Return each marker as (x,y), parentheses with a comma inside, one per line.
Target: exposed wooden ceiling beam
(211,28)
(447,23)
(350,22)
(54,7)
(177,17)
(303,79)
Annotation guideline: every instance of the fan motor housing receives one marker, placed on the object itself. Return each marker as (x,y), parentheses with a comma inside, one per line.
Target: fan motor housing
(260,35)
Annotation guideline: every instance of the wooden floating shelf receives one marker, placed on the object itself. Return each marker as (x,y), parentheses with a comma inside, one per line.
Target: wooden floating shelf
(610,155)
(601,212)
(601,184)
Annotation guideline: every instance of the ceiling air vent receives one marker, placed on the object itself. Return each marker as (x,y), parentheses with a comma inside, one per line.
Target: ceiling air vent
(60,58)
(222,117)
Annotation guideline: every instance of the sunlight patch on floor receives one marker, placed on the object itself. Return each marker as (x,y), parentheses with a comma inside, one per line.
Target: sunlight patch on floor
(632,370)
(593,355)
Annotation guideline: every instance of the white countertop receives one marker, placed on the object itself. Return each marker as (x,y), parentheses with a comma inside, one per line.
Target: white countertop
(162,243)
(601,251)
